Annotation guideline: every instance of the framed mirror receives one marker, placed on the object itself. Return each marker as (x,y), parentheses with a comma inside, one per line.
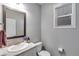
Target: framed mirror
(14,22)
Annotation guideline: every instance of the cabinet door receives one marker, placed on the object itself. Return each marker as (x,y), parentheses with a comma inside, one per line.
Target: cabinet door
(31,52)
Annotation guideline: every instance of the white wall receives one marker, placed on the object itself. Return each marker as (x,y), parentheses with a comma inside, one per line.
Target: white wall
(53,38)
(1,14)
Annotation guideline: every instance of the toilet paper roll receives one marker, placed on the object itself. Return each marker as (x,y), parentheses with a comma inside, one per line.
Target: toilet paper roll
(61,50)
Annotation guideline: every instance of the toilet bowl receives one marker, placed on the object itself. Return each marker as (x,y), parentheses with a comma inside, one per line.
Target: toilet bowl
(44,53)
(41,51)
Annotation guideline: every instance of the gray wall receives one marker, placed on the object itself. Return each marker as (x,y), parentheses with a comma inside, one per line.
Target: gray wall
(53,38)
(33,19)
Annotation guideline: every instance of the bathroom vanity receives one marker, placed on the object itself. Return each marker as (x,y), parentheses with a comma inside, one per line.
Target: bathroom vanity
(27,51)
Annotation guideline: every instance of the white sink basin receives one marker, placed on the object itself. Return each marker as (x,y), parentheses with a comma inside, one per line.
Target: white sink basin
(16,48)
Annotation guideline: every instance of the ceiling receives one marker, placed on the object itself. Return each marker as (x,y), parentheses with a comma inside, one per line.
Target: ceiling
(45,3)
(41,3)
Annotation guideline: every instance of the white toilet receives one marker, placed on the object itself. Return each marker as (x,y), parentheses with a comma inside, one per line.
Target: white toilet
(42,52)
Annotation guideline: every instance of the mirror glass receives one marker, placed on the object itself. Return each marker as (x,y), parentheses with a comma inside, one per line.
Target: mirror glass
(14,22)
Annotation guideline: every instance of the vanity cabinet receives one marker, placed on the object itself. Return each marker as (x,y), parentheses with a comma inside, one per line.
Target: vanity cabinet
(30,52)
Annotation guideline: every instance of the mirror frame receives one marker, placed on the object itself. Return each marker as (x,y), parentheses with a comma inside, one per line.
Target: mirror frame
(4,21)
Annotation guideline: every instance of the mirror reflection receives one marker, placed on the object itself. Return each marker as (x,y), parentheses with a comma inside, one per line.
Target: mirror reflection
(14,23)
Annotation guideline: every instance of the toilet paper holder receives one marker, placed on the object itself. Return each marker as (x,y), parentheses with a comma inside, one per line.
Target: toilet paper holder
(61,50)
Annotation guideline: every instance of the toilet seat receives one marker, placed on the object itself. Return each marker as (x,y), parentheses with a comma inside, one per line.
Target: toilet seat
(43,53)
